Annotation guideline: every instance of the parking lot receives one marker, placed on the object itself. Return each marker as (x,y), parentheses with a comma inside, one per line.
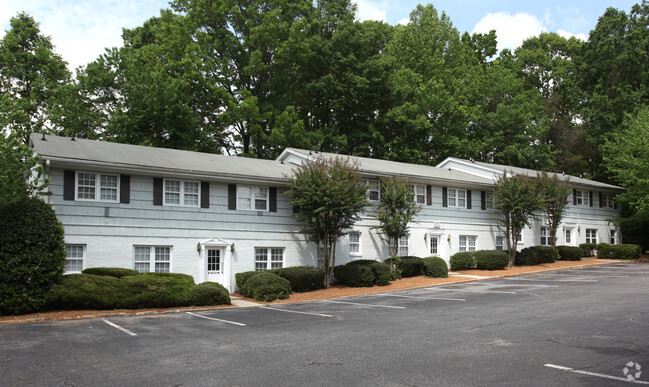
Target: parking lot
(581,326)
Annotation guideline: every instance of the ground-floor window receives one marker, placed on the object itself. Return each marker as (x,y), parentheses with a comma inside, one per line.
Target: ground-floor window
(213,261)
(568,235)
(74,255)
(267,258)
(500,243)
(403,246)
(545,240)
(467,242)
(613,237)
(591,235)
(434,245)
(355,243)
(152,259)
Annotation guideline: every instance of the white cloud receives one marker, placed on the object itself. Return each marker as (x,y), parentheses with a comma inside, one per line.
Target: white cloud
(568,35)
(369,10)
(404,22)
(511,30)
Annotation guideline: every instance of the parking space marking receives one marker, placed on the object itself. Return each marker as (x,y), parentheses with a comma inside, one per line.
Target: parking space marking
(530,285)
(423,298)
(299,312)
(373,305)
(586,275)
(112,324)
(469,290)
(217,319)
(548,280)
(562,368)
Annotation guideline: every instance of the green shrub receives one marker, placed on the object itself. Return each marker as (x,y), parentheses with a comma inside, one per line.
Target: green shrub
(491,259)
(116,272)
(302,278)
(527,257)
(395,272)
(546,254)
(627,251)
(462,261)
(241,278)
(363,272)
(84,291)
(570,253)
(435,267)
(588,249)
(32,254)
(209,293)
(266,286)
(411,266)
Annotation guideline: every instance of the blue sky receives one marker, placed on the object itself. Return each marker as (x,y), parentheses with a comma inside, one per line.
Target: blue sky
(81,29)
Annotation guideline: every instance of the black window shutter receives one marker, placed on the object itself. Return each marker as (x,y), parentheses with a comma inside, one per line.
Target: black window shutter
(483,200)
(574,197)
(157,191)
(205,194)
(429,195)
(600,200)
(444,197)
(272,198)
(68,185)
(232,196)
(590,196)
(125,189)
(468,199)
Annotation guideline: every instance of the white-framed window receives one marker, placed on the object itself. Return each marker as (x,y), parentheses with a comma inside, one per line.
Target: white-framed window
(490,202)
(591,235)
(252,198)
(434,245)
(608,200)
(152,259)
(500,243)
(181,193)
(354,243)
(267,258)
(74,256)
(583,198)
(214,261)
(545,239)
(456,197)
(467,242)
(97,186)
(419,193)
(613,237)
(568,236)
(373,189)
(402,245)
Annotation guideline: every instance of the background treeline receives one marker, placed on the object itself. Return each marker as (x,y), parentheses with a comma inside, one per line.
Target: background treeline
(251,77)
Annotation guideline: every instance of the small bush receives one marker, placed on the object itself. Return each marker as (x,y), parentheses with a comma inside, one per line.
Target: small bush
(527,257)
(395,272)
(627,251)
(546,254)
(491,259)
(363,272)
(209,293)
(266,286)
(116,272)
(302,278)
(411,266)
(84,291)
(569,253)
(241,278)
(435,267)
(462,261)
(588,249)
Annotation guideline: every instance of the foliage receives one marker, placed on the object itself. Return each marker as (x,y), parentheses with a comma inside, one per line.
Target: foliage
(241,278)
(634,227)
(527,257)
(546,254)
(396,209)
(626,251)
(569,253)
(411,266)
(302,278)
(435,267)
(328,199)
(394,263)
(32,254)
(363,272)
(588,249)
(208,293)
(116,272)
(554,196)
(266,286)
(21,174)
(462,261)
(517,200)
(491,259)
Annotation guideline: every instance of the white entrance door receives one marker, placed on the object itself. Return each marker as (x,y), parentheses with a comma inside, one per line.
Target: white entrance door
(216,265)
(434,246)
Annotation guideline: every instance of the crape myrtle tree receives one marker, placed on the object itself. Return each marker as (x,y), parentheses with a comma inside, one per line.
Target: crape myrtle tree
(517,199)
(327,197)
(396,209)
(554,197)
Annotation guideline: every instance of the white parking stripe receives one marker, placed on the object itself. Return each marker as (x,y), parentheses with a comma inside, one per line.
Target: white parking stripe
(531,285)
(356,303)
(423,298)
(548,280)
(595,374)
(112,324)
(297,311)
(586,275)
(217,319)
(470,291)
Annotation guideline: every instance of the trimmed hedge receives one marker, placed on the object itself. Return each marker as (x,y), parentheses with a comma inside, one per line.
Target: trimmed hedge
(411,266)
(588,249)
(435,267)
(527,257)
(546,254)
(626,251)
(302,278)
(116,272)
(209,293)
(396,273)
(491,259)
(241,278)
(363,272)
(569,253)
(462,261)
(266,286)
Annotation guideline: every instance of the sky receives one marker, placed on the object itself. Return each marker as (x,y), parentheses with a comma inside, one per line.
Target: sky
(82,29)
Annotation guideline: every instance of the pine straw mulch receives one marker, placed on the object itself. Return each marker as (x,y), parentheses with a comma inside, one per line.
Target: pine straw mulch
(332,292)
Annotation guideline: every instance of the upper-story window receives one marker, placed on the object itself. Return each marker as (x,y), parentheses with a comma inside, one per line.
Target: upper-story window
(181,193)
(97,186)
(373,189)
(582,198)
(608,200)
(419,193)
(456,197)
(252,198)
(490,203)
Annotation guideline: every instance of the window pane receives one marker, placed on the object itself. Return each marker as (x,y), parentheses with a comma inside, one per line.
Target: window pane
(354,242)
(142,259)
(243,198)
(191,193)
(213,260)
(172,191)
(433,244)
(86,186)
(261,259)
(276,258)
